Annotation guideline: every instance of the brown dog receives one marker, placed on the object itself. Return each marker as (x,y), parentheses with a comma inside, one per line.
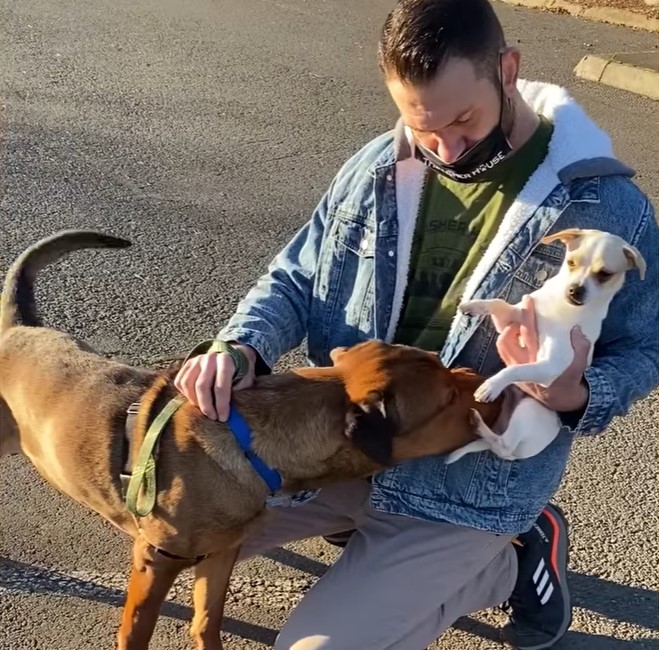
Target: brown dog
(64,407)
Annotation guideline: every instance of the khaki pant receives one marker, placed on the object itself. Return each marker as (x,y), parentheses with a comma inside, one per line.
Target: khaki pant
(400,582)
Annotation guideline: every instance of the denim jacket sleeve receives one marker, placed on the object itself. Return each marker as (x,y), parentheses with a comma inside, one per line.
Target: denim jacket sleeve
(626,357)
(273,317)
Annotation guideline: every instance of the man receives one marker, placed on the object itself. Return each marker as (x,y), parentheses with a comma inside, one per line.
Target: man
(451,204)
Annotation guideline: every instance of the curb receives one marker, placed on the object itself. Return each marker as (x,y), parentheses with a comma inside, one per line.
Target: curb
(611,15)
(642,81)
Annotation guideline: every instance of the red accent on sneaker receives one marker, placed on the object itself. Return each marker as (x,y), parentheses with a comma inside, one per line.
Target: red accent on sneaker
(554,549)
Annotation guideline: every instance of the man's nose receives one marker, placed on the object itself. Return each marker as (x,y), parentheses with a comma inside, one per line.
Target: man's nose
(449,149)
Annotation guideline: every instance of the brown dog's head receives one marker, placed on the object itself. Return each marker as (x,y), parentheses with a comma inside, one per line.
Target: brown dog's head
(377,406)
(398,396)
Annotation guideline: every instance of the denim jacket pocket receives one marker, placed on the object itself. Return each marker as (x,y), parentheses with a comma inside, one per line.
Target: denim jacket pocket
(354,243)
(534,272)
(345,284)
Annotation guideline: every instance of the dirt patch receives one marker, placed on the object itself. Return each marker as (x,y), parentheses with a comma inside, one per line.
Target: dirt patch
(637,6)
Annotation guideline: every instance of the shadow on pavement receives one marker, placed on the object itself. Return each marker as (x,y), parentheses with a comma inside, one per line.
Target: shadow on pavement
(612,600)
(18,576)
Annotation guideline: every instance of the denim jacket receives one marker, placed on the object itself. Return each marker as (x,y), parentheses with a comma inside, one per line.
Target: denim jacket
(342,279)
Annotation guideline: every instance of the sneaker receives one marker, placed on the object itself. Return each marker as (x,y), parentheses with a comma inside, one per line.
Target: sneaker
(539,607)
(339,539)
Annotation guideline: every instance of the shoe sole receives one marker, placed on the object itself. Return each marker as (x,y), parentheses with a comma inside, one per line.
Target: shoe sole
(339,539)
(560,556)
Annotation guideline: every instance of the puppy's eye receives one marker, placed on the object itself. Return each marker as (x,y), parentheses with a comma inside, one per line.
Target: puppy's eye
(571,264)
(603,276)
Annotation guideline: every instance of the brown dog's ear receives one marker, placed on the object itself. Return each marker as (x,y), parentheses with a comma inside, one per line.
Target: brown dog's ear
(635,259)
(370,429)
(566,236)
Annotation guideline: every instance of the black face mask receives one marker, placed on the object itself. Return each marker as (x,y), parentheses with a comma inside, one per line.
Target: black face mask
(477,161)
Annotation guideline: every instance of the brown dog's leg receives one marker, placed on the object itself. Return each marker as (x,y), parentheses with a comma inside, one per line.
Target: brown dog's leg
(210,590)
(151,577)
(9,443)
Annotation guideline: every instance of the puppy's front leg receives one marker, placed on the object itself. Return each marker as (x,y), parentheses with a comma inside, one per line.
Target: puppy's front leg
(556,357)
(502,313)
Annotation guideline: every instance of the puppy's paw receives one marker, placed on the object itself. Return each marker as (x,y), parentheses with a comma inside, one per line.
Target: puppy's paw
(488,391)
(453,456)
(475,420)
(472,307)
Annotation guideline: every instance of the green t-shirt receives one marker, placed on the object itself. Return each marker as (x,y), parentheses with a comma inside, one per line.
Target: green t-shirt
(455,225)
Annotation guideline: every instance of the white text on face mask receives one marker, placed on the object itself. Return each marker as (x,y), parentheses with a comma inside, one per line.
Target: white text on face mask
(475,172)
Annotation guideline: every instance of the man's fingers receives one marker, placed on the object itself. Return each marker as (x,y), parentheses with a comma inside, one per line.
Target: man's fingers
(581,346)
(204,383)
(222,386)
(528,334)
(186,378)
(503,342)
(508,345)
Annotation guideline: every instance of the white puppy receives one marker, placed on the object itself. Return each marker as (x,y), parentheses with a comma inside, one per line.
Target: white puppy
(578,295)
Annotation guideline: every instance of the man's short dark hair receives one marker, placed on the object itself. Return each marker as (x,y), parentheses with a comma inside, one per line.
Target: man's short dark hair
(420,36)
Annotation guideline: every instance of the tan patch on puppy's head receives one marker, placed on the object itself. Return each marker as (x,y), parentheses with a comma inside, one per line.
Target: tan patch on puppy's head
(595,264)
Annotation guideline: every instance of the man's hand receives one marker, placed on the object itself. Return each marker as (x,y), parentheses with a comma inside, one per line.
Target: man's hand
(207,377)
(518,343)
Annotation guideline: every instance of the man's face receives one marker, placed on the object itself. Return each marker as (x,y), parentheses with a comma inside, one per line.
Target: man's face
(457,109)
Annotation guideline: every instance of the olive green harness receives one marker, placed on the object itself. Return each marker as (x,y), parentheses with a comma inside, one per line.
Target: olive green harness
(139,482)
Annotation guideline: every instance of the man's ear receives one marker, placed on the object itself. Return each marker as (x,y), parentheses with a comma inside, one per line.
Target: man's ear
(370,429)
(510,62)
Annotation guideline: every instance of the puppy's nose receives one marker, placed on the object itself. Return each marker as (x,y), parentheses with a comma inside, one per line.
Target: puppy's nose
(576,293)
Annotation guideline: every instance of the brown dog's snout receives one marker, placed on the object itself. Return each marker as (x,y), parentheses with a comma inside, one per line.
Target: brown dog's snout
(576,294)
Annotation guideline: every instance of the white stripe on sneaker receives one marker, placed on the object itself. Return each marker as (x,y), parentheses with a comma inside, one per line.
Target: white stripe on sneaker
(538,571)
(548,593)
(543,585)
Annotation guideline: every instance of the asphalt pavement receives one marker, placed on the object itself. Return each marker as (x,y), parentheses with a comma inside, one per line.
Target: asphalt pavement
(206,131)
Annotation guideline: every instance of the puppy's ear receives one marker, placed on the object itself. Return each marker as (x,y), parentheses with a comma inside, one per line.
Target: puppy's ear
(635,259)
(566,236)
(371,429)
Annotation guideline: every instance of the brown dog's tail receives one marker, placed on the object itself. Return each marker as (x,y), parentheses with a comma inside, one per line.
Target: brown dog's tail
(17,306)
